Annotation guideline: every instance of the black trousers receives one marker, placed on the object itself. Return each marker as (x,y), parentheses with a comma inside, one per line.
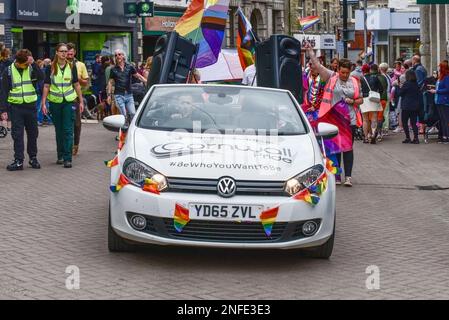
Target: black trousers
(413,117)
(78,124)
(348,157)
(24,118)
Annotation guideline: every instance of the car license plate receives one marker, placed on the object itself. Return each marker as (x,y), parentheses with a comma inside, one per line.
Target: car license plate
(225,212)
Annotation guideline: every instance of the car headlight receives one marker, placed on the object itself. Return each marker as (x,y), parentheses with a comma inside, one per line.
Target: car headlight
(137,172)
(304,180)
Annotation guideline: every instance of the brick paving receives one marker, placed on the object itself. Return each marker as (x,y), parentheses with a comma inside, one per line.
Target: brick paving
(54,218)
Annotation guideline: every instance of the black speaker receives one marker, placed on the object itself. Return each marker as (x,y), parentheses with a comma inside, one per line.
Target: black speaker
(278,64)
(172,59)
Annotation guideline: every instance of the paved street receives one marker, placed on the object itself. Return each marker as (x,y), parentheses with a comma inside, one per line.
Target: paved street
(55,218)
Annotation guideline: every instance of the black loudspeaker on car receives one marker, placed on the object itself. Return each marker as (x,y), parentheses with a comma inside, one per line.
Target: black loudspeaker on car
(278,64)
(172,59)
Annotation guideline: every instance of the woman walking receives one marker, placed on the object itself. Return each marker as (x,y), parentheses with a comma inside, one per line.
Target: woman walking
(341,96)
(442,99)
(410,104)
(371,106)
(62,88)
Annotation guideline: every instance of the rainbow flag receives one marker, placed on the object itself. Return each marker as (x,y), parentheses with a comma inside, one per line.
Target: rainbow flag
(181,218)
(121,140)
(268,219)
(332,168)
(308,22)
(246,40)
(307,196)
(122,182)
(320,185)
(114,162)
(150,186)
(204,24)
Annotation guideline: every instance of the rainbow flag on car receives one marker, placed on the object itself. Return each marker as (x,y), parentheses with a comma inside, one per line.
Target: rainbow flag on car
(268,219)
(246,40)
(182,217)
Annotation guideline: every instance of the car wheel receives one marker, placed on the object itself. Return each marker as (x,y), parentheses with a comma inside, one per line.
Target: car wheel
(115,242)
(325,250)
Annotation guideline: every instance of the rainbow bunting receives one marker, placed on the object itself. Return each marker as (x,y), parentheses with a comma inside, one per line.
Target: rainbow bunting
(308,22)
(204,24)
(121,140)
(307,196)
(246,40)
(268,219)
(181,218)
(114,162)
(150,186)
(332,168)
(122,182)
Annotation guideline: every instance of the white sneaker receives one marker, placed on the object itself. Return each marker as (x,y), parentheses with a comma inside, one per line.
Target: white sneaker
(348,182)
(432,130)
(398,130)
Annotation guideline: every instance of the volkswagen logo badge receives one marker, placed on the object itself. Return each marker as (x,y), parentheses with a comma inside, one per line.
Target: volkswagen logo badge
(226,187)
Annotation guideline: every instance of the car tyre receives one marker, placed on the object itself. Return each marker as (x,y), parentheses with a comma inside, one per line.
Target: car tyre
(325,250)
(115,242)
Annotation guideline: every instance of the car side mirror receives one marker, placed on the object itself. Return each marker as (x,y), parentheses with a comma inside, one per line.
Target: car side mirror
(115,123)
(326,131)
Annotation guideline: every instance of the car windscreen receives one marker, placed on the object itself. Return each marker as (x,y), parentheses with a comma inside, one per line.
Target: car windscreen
(221,109)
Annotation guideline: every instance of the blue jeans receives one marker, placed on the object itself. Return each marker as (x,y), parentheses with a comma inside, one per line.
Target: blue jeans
(126,105)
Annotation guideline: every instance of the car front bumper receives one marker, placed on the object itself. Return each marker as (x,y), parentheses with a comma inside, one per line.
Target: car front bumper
(159,211)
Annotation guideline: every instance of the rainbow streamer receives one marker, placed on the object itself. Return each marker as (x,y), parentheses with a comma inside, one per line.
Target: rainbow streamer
(308,22)
(268,219)
(181,218)
(205,24)
(332,168)
(150,186)
(122,182)
(114,162)
(121,140)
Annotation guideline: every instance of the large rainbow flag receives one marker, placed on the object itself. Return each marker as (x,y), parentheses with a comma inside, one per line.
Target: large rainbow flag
(204,23)
(246,40)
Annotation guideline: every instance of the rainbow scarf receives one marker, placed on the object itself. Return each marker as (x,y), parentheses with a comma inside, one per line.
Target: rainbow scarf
(150,186)
(315,90)
(181,218)
(308,22)
(332,168)
(122,182)
(268,219)
(114,162)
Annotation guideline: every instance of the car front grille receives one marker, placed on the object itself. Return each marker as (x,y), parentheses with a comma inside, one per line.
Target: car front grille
(225,231)
(210,186)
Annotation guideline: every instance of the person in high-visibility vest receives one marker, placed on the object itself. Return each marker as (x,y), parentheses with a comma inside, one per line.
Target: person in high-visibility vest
(18,92)
(61,89)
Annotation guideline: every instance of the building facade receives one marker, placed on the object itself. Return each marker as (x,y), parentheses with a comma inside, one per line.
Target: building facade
(434,34)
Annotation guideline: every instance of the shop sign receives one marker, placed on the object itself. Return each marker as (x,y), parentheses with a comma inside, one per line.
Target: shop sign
(91,7)
(130,9)
(318,42)
(145,9)
(405,20)
(163,23)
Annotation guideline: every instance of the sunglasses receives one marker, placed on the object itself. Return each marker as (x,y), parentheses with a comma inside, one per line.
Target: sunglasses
(119,54)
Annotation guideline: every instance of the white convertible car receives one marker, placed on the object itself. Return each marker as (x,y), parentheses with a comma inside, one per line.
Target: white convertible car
(221,166)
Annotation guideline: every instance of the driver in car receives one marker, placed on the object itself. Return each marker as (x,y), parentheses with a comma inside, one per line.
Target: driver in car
(187,112)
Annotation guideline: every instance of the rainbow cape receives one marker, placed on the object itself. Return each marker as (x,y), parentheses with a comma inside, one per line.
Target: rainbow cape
(246,40)
(204,24)
(181,217)
(308,22)
(150,186)
(114,162)
(268,219)
(122,182)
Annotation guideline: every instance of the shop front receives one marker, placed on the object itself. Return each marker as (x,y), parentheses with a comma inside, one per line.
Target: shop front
(96,27)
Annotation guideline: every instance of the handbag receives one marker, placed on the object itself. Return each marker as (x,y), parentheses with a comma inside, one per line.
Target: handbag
(373,96)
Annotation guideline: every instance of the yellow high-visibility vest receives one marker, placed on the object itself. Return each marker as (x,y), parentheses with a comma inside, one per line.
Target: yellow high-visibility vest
(61,86)
(22,90)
